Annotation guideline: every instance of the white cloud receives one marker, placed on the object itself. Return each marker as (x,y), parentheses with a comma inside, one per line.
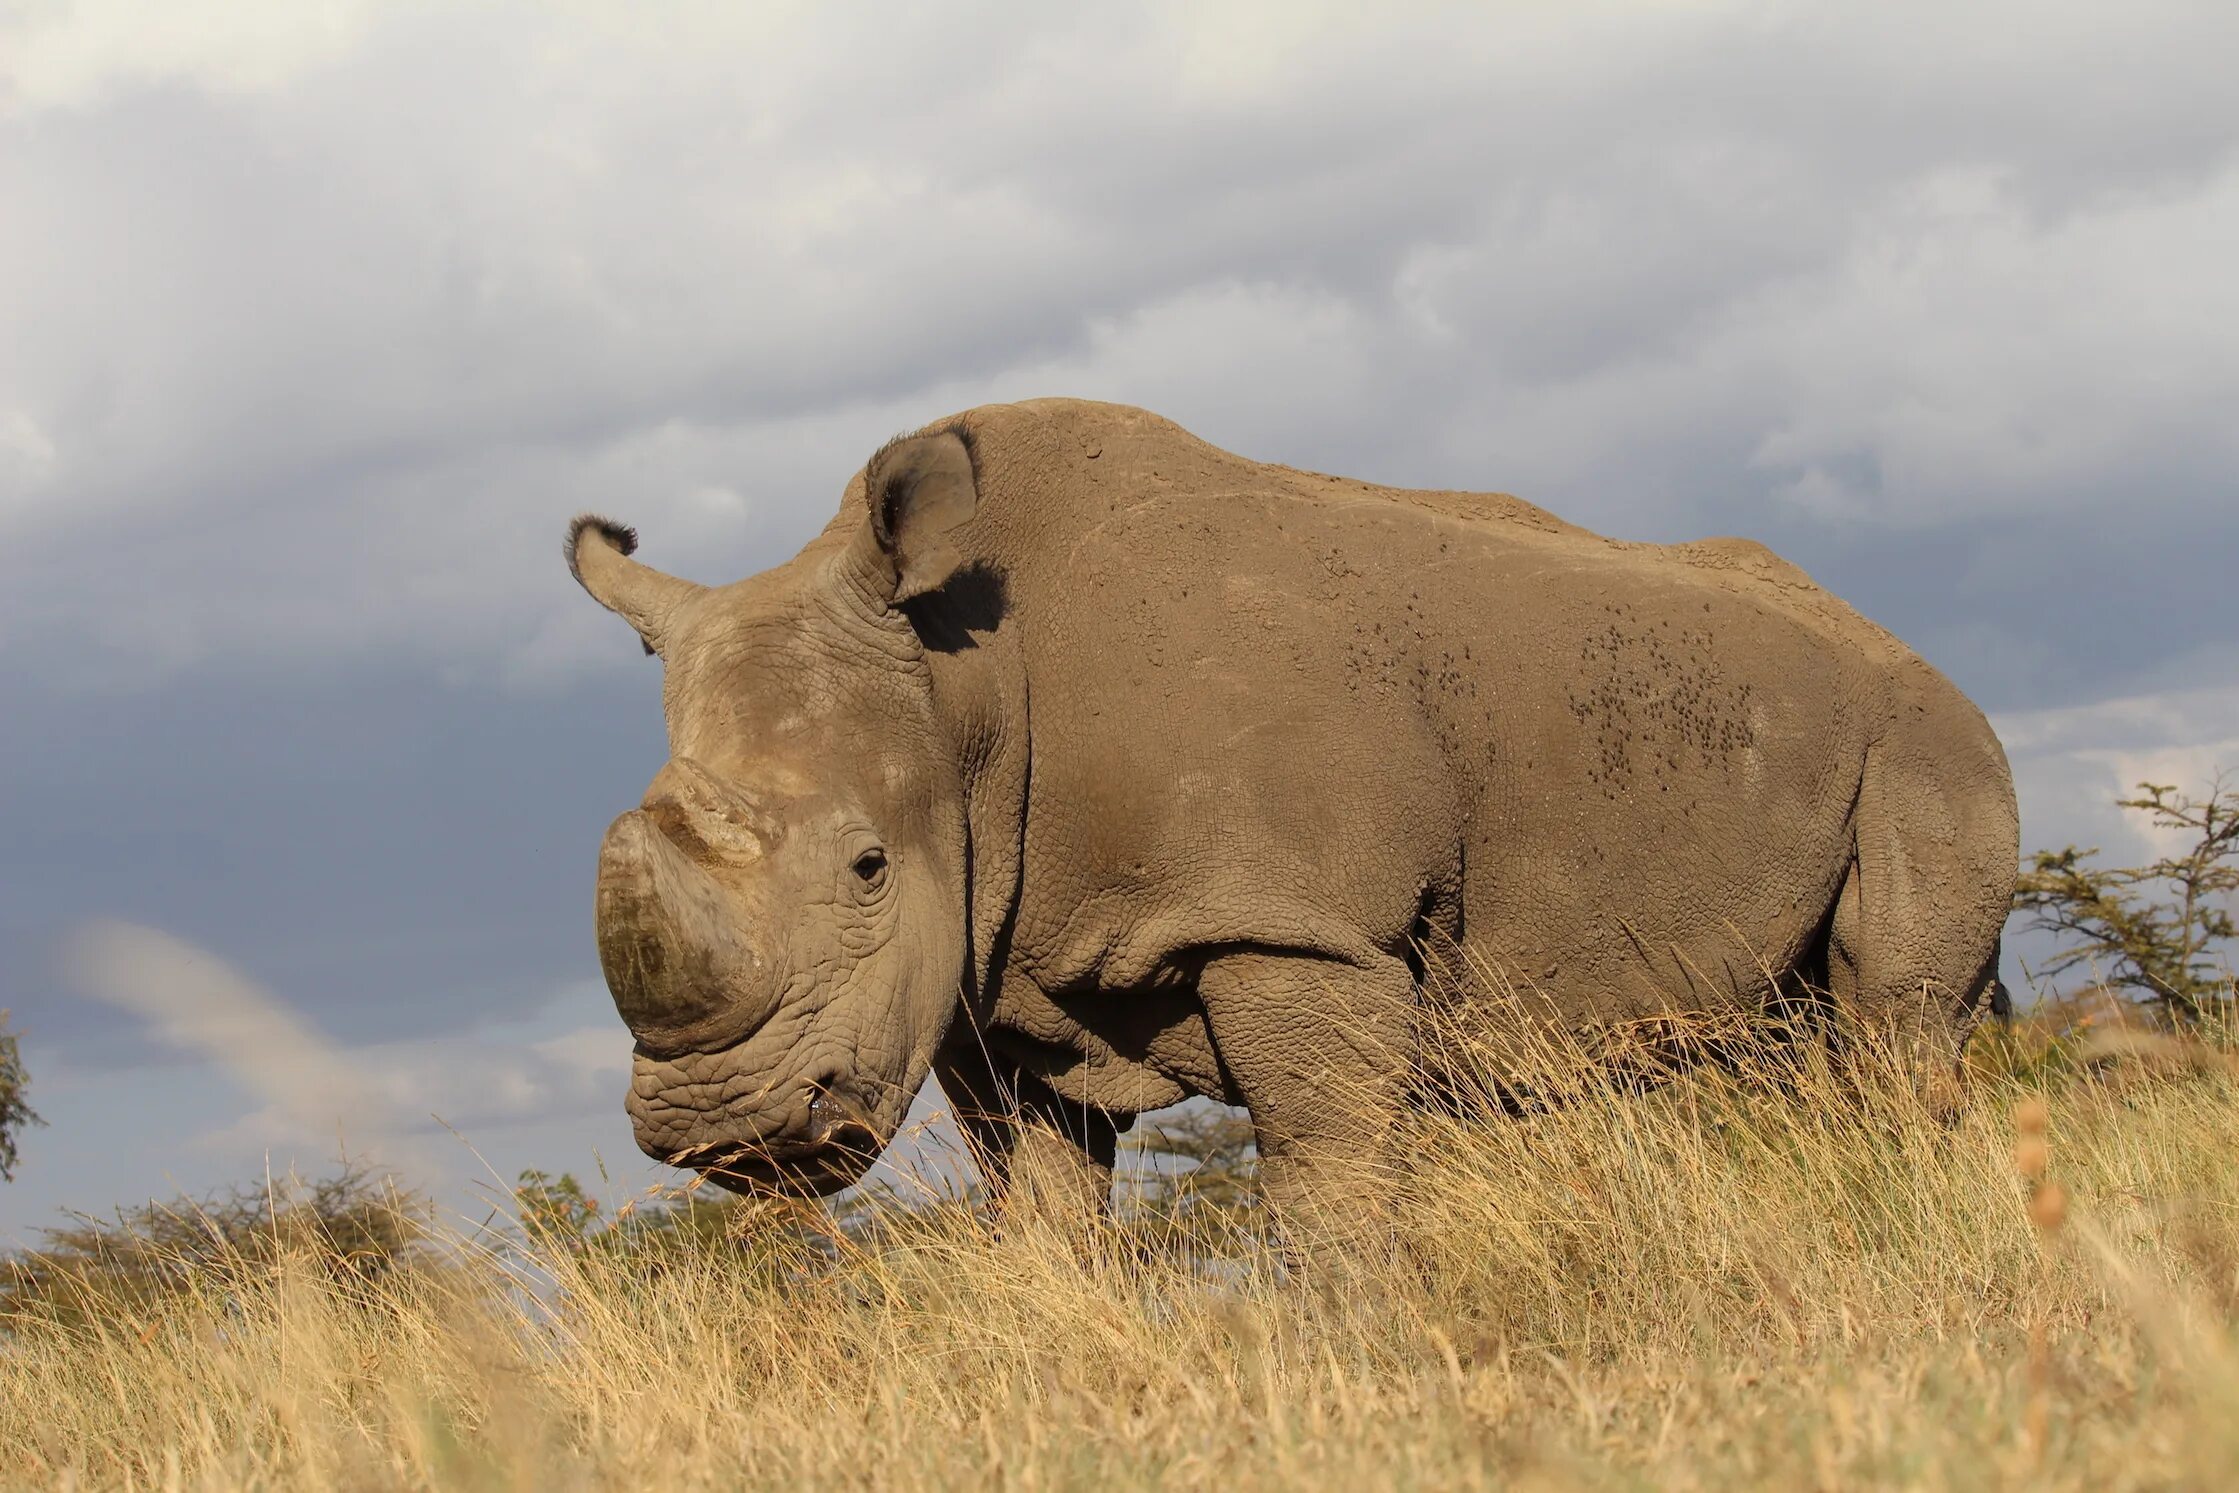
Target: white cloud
(74,53)
(2071,764)
(198,1004)
(328,314)
(26,454)
(395,1100)
(460,1110)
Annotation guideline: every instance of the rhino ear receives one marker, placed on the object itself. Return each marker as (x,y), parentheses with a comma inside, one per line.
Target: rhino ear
(598,554)
(919,489)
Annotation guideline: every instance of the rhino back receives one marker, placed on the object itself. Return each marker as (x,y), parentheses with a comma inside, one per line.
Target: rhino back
(1272,706)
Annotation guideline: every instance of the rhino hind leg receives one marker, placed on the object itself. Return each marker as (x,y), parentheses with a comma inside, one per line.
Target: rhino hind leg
(1911,956)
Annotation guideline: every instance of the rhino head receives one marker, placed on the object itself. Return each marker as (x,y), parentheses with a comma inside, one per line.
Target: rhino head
(781,920)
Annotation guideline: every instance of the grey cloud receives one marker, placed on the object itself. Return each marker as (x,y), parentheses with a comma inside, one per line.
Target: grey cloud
(318,335)
(338,344)
(399,855)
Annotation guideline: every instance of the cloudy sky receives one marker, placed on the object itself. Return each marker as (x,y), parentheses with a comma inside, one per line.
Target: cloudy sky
(320,319)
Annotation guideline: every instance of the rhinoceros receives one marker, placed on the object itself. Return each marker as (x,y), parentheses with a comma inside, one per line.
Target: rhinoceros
(1088,766)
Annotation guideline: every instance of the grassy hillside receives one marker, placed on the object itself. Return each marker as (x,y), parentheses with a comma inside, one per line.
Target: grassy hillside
(1699,1287)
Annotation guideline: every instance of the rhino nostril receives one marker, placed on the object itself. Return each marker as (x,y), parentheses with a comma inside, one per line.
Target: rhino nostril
(836,1121)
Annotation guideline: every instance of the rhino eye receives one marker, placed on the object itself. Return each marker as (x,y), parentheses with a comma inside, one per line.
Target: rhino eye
(870,868)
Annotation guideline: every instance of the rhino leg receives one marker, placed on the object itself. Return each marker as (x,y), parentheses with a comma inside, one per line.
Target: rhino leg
(1319,1051)
(1033,1149)
(1912,947)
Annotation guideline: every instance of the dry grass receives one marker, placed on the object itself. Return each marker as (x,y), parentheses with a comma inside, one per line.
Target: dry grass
(1701,1287)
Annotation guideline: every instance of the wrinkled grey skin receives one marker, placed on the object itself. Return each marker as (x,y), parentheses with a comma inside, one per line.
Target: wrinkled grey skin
(1089,767)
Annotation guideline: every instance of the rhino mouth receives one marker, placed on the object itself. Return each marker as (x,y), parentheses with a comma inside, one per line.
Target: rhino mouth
(838,1146)
(763,1170)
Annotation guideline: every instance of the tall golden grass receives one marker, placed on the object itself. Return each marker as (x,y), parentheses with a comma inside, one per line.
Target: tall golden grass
(1714,1283)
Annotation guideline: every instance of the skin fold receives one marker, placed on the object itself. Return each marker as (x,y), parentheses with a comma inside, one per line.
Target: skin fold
(1090,767)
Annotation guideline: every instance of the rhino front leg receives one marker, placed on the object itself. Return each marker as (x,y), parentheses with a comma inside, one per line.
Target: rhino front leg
(1033,1149)
(1319,1050)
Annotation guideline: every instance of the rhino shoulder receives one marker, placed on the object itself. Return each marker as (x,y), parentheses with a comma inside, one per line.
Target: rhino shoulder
(1728,552)
(1496,510)
(1489,508)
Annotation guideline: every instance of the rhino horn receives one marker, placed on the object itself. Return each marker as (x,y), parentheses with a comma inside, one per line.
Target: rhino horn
(709,820)
(598,554)
(679,969)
